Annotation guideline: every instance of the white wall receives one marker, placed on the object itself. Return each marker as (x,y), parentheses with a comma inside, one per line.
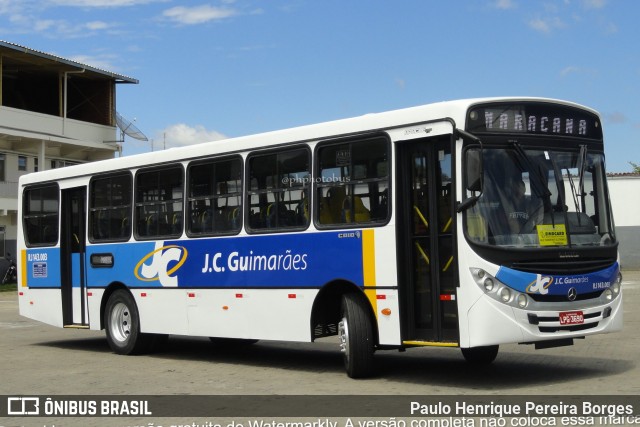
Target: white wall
(624,191)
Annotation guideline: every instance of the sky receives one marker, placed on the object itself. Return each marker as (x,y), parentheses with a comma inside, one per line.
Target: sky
(211,69)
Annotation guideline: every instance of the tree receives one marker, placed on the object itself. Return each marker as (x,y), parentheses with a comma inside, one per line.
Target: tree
(635,166)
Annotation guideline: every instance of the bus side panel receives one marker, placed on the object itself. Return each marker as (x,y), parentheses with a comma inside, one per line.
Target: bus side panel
(251,313)
(162,311)
(382,273)
(94,300)
(44,305)
(281,314)
(386,306)
(40,296)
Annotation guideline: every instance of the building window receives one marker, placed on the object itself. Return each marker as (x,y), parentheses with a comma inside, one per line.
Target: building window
(2,166)
(35,164)
(22,163)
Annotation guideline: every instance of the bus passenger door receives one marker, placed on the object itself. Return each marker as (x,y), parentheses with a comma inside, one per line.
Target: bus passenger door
(426,245)
(72,258)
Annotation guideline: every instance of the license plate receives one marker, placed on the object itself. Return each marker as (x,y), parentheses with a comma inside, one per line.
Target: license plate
(571,318)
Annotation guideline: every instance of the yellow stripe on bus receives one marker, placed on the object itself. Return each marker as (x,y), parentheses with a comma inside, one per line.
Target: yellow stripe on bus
(368,258)
(23,267)
(431,343)
(373,300)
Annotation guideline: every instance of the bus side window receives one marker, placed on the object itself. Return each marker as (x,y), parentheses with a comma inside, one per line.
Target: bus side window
(110,207)
(277,189)
(159,201)
(214,196)
(41,215)
(353,182)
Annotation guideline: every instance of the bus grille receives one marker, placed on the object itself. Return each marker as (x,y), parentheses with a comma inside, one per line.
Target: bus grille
(564,298)
(551,324)
(569,328)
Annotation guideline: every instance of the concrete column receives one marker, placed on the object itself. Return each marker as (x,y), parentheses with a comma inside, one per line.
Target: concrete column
(42,164)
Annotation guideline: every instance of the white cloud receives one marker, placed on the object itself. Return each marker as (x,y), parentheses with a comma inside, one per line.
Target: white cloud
(97,25)
(103,62)
(101,3)
(546,25)
(182,134)
(569,70)
(504,4)
(197,14)
(594,4)
(44,25)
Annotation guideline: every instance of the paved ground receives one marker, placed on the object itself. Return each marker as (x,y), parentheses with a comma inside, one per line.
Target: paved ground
(43,360)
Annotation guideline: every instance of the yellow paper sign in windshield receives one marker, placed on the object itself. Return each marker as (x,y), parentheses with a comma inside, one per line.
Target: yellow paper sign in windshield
(552,235)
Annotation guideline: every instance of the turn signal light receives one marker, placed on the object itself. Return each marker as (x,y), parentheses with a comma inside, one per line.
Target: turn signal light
(386,311)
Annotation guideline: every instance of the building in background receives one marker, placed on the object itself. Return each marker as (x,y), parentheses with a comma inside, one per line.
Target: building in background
(624,189)
(54,112)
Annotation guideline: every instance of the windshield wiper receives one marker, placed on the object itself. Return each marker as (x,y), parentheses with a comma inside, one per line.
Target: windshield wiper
(582,164)
(541,187)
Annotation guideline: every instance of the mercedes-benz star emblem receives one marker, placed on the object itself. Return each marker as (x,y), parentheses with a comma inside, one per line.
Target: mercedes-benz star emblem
(572,294)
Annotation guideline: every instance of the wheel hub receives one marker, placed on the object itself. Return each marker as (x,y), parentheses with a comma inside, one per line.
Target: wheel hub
(120,325)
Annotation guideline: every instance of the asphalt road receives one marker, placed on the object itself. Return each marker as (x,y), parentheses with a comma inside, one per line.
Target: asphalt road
(38,359)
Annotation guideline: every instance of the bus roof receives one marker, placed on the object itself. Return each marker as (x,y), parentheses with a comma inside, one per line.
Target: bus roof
(371,122)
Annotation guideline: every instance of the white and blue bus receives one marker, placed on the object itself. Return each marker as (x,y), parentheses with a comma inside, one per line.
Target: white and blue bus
(467,224)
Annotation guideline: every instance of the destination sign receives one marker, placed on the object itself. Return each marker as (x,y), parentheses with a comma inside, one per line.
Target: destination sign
(535,119)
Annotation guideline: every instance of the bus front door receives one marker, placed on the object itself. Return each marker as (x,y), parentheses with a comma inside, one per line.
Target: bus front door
(72,258)
(427,264)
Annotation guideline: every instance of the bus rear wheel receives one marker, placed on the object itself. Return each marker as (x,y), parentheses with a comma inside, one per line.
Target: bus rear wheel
(355,332)
(122,325)
(480,356)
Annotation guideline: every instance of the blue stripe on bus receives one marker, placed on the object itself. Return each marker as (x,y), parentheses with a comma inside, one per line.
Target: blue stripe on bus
(277,260)
(547,284)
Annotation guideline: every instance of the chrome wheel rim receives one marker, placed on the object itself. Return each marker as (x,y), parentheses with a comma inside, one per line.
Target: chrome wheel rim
(343,334)
(120,324)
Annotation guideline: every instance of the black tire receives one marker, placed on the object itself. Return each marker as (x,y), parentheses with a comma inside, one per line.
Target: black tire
(480,356)
(355,331)
(122,325)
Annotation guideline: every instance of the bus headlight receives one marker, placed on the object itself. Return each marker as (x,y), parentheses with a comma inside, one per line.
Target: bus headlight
(488,284)
(500,292)
(608,294)
(523,301)
(615,288)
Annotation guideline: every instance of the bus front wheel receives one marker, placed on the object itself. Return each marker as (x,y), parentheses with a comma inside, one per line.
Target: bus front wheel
(480,356)
(355,332)
(122,325)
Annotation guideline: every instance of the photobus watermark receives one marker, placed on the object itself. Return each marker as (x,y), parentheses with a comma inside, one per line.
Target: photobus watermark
(306,180)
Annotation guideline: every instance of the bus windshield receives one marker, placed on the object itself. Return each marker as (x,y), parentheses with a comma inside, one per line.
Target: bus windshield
(538,198)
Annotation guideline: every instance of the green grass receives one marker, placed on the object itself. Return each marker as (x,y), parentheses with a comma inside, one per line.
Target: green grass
(9,287)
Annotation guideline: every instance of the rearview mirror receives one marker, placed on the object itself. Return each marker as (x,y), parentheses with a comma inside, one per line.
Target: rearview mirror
(473,169)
